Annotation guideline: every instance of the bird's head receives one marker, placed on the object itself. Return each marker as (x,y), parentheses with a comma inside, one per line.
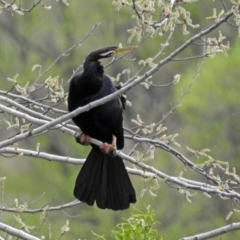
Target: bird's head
(92,60)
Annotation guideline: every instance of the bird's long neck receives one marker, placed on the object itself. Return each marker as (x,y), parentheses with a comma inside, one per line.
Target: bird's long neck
(92,78)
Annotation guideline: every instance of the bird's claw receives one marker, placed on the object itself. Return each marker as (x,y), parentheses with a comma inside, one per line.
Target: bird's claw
(83,139)
(108,149)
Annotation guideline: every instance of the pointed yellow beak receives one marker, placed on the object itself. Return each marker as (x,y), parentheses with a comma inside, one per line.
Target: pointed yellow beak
(124,49)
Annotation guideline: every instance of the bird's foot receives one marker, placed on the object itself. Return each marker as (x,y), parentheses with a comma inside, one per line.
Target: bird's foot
(108,149)
(83,139)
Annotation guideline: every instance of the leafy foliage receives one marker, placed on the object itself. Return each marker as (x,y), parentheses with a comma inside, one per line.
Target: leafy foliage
(139,226)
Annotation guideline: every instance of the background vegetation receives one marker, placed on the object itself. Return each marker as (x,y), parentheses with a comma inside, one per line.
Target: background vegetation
(208,116)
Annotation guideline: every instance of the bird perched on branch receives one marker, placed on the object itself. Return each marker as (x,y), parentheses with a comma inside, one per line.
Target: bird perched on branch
(103,178)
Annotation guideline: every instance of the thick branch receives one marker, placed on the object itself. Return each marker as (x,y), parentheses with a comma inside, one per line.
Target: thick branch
(214,233)
(16,232)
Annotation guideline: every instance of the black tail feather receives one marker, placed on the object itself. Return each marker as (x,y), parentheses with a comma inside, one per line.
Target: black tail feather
(104,179)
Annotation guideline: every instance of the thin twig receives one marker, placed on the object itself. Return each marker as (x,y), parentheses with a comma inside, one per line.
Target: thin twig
(45,208)
(68,51)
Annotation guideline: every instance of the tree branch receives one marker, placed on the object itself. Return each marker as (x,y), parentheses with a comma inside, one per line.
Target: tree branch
(45,208)
(147,172)
(43,155)
(37,121)
(16,232)
(30,101)
(214,233)
(10,7)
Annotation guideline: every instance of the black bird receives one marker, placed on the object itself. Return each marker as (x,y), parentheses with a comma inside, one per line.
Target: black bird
(103,177)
